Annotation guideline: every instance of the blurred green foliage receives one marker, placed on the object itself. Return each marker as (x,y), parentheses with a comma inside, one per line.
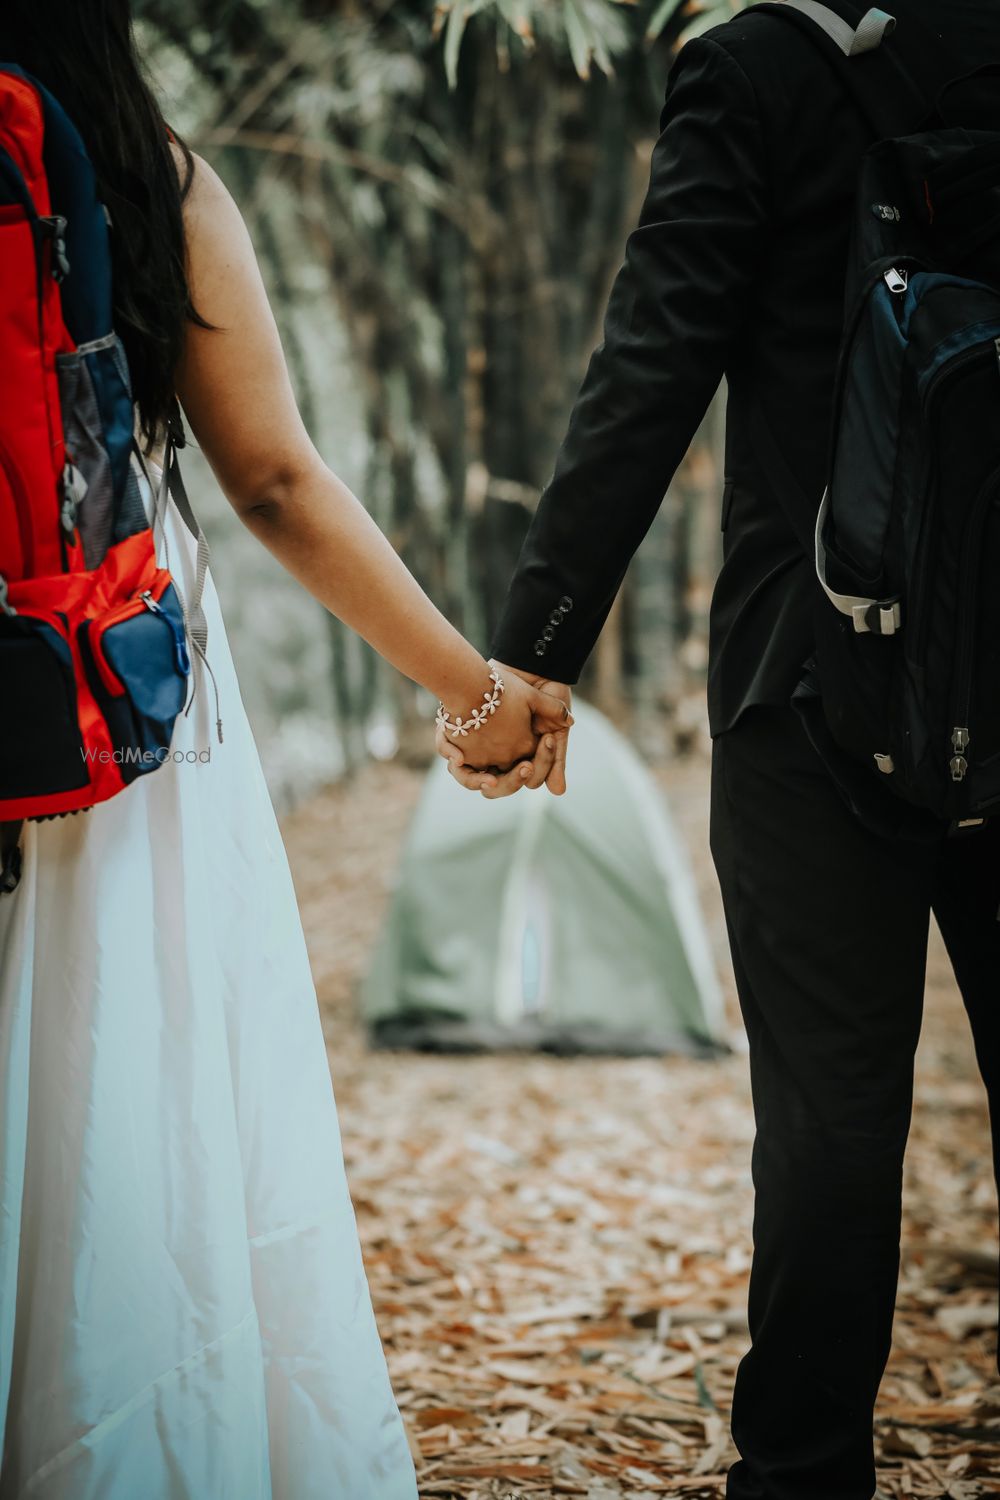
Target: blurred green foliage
(594,31)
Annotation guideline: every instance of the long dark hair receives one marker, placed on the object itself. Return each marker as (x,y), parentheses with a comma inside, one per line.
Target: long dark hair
(84,52)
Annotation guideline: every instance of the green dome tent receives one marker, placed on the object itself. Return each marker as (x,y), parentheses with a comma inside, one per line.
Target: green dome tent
(563,924)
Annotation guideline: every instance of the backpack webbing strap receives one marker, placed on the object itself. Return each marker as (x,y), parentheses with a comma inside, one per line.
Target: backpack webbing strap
(852,40)
(192,611)
(870,616)
(173,481)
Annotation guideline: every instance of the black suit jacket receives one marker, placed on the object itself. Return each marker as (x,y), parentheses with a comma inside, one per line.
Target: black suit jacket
(737,268)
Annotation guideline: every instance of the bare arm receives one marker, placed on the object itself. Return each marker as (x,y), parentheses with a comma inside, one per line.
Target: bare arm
(234,387)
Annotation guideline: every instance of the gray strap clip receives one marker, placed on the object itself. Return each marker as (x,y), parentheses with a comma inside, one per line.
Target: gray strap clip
(870,616)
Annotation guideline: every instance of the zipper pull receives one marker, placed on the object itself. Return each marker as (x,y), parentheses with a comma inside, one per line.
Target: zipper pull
(180,647)
(75,486)
(55,228)
(959,765)
(75,489)
(897,281)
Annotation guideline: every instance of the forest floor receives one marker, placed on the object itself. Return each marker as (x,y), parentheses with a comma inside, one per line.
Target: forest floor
(558,1250)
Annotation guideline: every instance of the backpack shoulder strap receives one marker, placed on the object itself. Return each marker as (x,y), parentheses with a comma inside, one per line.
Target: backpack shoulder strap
(894,73)
(71,188)
(852,40)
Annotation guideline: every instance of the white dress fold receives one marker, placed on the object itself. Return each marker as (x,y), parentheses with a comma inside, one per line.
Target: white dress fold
(184,1313)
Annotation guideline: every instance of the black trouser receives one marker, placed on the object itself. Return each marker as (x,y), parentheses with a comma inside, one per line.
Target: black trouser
(828,925)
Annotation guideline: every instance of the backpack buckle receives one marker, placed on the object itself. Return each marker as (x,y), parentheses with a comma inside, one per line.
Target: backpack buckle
(881,617)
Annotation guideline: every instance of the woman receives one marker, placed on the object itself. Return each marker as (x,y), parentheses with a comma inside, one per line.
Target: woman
(183,1307)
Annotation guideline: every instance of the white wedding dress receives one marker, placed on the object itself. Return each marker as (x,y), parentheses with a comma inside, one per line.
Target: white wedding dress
(184,1313)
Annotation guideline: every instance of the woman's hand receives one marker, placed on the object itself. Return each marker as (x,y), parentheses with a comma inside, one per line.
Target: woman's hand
(512,733)
(547,768)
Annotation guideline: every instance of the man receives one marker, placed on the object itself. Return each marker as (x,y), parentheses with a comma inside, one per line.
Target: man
(737,268)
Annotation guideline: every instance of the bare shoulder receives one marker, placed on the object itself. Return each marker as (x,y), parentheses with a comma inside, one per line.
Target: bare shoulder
(199,180)
(217,242)
(206,196)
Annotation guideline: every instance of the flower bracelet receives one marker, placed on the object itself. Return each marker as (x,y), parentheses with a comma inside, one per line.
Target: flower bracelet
(478,717)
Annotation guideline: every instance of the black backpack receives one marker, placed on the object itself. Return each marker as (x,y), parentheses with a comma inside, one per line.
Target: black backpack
(907,667)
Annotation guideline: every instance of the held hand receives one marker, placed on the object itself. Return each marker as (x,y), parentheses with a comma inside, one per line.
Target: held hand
(512,733)
(555,775)
(548,765)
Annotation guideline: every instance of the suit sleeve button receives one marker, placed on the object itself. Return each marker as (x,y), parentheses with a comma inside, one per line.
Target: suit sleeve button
(556,617)
(540,647)
(548,634)
(565,604)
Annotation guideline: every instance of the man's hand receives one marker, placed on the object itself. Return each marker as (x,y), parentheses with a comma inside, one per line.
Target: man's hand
(546,767)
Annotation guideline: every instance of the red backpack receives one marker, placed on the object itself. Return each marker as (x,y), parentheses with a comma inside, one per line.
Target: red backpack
(94,663)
